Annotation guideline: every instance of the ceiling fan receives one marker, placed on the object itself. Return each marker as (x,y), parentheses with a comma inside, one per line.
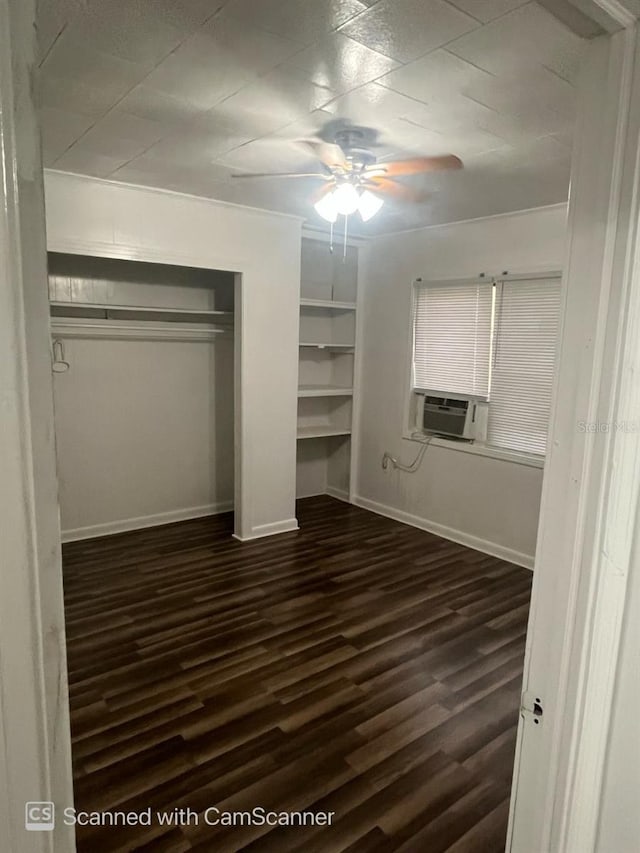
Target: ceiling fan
(354,180)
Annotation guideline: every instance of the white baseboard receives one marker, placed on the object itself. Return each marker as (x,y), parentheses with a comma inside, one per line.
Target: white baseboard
(261,530)
(340,494)
(110,527)
(291,524)
(492,548)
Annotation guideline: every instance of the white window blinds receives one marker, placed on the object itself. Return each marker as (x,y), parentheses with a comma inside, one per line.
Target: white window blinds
(452,337)
(526,330)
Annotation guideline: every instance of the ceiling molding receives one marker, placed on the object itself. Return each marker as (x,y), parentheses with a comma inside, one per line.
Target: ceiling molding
(624,12)
(582,24)
(323,236)
(506,214)
(262,211)
(592,18)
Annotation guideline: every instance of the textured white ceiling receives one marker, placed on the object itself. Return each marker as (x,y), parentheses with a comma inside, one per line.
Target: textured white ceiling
(183,93)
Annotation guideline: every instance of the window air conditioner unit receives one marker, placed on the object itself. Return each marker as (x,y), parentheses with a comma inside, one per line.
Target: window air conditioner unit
(451,416)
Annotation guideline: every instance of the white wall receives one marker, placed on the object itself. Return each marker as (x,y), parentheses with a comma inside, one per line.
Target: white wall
(312,468)
(144,433)
(90,216)
(489,503)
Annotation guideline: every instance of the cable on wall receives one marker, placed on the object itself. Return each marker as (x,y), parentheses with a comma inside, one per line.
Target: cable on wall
(388,459)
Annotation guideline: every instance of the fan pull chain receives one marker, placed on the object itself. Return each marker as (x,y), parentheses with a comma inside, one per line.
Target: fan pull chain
(346,228)
(331,238)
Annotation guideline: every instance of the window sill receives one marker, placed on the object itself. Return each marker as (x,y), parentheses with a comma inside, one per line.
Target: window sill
(517,458)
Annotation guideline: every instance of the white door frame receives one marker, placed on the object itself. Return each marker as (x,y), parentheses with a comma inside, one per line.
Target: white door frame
(35,749)
(590,494)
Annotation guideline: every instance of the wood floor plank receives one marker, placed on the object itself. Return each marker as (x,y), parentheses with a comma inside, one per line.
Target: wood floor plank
(358,666)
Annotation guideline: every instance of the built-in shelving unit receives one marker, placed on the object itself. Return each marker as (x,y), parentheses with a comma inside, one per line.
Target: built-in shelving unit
(328,307)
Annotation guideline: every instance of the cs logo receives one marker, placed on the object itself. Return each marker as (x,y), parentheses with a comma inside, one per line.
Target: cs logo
(39,817)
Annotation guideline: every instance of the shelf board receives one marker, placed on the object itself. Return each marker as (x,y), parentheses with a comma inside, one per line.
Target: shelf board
(328,303)
(324,391)
(139,309)
(321,431)
(328,346)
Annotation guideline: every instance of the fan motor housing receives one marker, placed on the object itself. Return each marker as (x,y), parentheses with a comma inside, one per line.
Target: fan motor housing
(351,141)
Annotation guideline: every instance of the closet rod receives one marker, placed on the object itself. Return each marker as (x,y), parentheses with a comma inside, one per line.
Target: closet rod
(134,332)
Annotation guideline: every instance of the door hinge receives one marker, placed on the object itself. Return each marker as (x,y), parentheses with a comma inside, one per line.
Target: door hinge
(531,707)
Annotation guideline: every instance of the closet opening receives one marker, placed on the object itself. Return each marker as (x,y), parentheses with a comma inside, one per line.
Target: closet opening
(144,392)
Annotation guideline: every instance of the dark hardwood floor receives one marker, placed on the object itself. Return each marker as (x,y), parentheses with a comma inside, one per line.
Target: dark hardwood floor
(358,666)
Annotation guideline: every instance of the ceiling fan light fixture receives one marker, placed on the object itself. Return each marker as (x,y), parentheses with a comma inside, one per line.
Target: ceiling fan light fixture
(368,205)
(346,199)
(326,207)
(348,167)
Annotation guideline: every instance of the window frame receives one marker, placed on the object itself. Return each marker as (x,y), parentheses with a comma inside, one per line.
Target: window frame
(518,457)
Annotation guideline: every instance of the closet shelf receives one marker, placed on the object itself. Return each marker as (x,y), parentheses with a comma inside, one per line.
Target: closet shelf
(324,391)
(323,431)
(328,303)
(117,310)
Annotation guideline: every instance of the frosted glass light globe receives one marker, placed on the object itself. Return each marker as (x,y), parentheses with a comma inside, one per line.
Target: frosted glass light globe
(326,207)
(369,205)
(346,199)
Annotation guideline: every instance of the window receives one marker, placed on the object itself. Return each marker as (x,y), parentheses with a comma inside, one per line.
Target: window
(526,331)
(452,337)
(494,341)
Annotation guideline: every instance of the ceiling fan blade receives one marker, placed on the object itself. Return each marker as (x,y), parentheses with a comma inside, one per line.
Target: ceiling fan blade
(415,166)
(328,153)
(400,192)
(282,175)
